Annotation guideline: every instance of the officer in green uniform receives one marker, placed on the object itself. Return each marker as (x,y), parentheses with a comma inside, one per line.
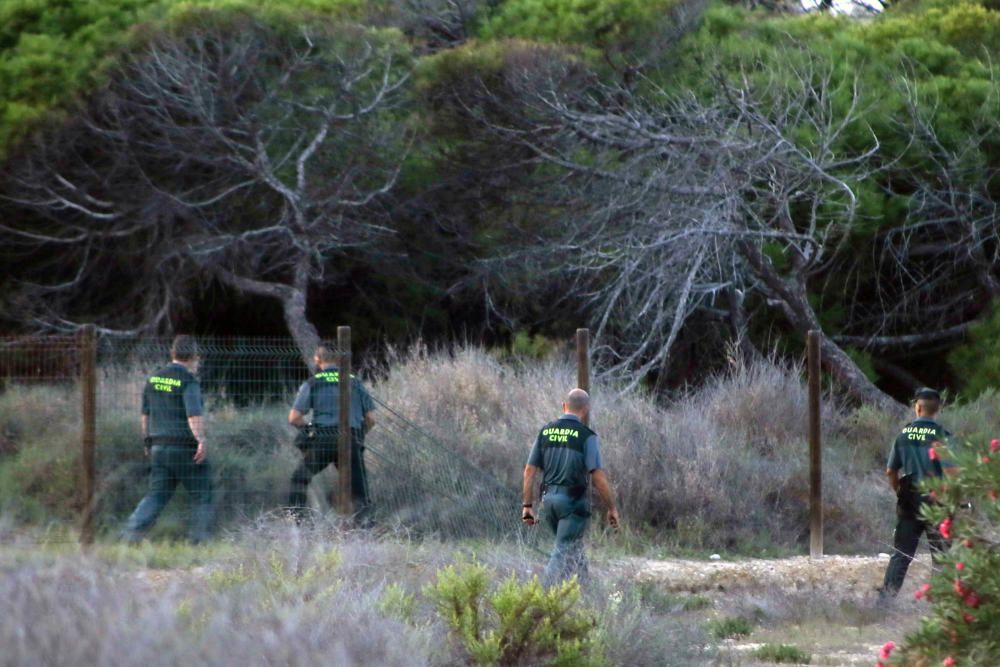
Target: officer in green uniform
(568,453)
(911,462)
(318,440)
(174,435)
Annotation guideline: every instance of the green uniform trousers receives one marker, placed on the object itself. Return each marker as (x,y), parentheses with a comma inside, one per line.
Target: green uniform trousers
(909,528)
(320,451)
(567,517)
(173,464)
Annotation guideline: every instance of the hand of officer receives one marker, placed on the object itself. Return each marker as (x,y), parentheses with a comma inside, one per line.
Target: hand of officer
(528,516)
(199,454)
(613,518)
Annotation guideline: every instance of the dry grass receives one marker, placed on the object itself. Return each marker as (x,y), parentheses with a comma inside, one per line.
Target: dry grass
(724,467)
(278,594)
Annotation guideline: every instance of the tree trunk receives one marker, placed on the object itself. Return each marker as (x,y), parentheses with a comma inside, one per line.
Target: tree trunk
(293,302)
(303,331)
(842,367)
(791,293)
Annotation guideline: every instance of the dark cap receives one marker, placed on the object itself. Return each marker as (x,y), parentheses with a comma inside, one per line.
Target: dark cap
(927,393)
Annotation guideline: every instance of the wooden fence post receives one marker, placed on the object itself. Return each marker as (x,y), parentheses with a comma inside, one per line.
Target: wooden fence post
(88,431)
(344,499)
(583,362)
(815,450)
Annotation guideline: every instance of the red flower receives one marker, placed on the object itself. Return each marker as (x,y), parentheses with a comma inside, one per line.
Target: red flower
(948,662)
(932,453)
(959,566)
(968,618)
(945,528)
(993,495)
(985,459)
(961,588)
(995,445)
(972,600)
(886,650)
(922,591)
(968,543)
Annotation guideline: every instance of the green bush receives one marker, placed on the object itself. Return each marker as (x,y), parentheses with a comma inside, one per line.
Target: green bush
(782,653)
(518,623)
(964,588)
(730,627)
(397,602)
(666,602)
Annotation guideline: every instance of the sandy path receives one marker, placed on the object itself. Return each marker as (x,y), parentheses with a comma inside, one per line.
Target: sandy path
(836,574)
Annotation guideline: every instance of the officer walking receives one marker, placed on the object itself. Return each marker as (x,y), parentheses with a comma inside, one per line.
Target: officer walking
(174,435)
(911,462)
(568,453)
(318,440)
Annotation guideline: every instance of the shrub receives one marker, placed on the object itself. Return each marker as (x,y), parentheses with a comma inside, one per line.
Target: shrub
(782,653)
(519,623)
(964,590)
(730,627)
(397,602)
(665,602)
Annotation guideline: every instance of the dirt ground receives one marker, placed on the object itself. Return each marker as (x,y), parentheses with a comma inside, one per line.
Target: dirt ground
(827,607)
(843,575)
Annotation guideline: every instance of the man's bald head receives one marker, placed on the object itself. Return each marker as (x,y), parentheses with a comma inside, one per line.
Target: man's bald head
(577,402)
(325,355)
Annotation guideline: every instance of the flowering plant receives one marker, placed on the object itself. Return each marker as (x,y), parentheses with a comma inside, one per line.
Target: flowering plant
(960,628)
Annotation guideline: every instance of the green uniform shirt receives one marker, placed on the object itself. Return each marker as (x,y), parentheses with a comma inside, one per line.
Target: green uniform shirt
(321,394)
(567,452)
(910,453)
(170,396)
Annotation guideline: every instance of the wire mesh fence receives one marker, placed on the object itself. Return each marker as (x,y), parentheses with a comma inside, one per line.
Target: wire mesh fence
(248,385)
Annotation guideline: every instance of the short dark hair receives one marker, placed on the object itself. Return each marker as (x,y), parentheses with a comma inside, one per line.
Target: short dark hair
(928,399)
(184,348)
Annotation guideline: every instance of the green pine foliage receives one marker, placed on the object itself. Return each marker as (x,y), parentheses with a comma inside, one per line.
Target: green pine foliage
(960,628)
(977,362)
(594,23)
(518,623)
(52,51)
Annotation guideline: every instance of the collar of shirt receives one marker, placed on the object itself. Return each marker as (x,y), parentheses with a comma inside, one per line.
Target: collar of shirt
(572,417)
